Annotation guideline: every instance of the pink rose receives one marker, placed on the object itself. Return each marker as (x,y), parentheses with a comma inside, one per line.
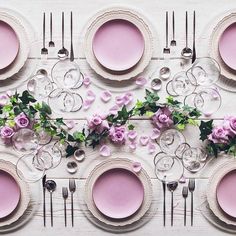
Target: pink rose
(219,135)
(97,123)
(7,132)
(162,118)
(22,121)
(117,134)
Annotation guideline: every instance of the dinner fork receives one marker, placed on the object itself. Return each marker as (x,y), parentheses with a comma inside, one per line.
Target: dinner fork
(44,50)
(185,195)
(65,196)
(72,188)
(191,187)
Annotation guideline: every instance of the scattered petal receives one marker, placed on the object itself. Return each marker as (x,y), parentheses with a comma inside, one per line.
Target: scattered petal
(87,104)
(119,100)
(105,151)
(4,99)
(86,81)
(132,134)
(151,148)
(70,124)
(106,96)
(128,98)
(144,140)
(137,167)
(114,110)
(91,96)
(132,146)
(155,133)
(141,81)
(182,180)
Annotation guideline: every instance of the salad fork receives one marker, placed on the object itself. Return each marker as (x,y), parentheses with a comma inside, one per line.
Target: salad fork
(65,196)
(72,188)
(191,187)
(185,195)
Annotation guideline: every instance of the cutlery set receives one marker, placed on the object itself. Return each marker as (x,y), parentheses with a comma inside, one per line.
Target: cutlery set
(187,52)
(172,186)
(51,186)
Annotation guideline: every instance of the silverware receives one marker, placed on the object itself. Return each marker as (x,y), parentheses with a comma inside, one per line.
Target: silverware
(44,202)
(65,196)
(185,195)
(156,84)
(164,202)
(51,43)
(72,188)
(63,52)
(191,187)
(51,187)
(172,187)
(71,38)
(186,52)
(165,73)
(44,50)
(194,37)
(166,50)
(173,41)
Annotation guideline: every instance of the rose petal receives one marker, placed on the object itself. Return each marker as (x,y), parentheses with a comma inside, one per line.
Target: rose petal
(114,110)
(155,133)
(86,81)
(91,96)
(4,99)
(182,180)
(140,81)
(120,100)
(132,134)
(87,104)
(144,140)
(151,148)
(128,98)
(136,167)
(70,124)
(105,151)
(106,96)
(132,146)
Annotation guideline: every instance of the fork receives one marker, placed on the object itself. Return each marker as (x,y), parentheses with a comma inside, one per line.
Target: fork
(185,195)
(44,50)
(65,196)
(72,188)
(191,187)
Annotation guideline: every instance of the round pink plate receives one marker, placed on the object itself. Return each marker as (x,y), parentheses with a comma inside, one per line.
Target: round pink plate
(118,193)
(226,193)
(118,45)
(9,194)
(9,45)
(227,46)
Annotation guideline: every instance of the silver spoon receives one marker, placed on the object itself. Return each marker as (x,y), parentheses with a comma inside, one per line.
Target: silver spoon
(156,84)
(71,38)
(51,187)
(173,41)
(186,52)
(166,49)
(63,52)
(44,50)
(51,44)
(172,187)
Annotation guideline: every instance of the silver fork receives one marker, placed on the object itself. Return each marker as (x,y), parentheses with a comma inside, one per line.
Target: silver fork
(65,196)
(72,188)
(44,50)
(191,187)
(185,195)
(166,50)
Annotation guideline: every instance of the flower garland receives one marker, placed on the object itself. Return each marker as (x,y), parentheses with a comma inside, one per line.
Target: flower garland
(219,137)
(19,111)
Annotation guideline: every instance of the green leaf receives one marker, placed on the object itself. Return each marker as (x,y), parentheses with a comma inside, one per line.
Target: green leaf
(205,129)
(26,98)
(181,127)
(149,113)
(131,127)
(46,108)
(70,150)
(79,137)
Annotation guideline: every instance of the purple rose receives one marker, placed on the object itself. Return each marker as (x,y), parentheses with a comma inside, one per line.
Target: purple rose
(22,121)
(219,135)
(232,123)
(117,134)
(7,132)
(97,123)
(162,118)
(4,99)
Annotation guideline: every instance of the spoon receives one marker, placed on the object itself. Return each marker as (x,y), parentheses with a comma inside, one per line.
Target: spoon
(71,38)
(63,52)
(172,187)
(156,84)
(173,41)
(51,187)
(165,73)
(186,52)
(44,50)
(51,43)
(166,49)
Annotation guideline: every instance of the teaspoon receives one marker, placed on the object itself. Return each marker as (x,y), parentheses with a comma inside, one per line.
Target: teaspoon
(51,43)
(51,187)
(172,187)
(186,52)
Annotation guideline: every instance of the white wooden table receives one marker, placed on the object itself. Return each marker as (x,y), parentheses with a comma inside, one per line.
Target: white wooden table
(207,14)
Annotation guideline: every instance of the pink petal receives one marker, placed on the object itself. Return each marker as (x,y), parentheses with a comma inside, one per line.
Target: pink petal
(87,104)
(151,148)
(91,96)
(86,81)
(182,180)
(137,167)
(120,100)
(70,124)
(105,151)
(141,81)
(106,96)
(155,133)
(144,140)
(132,134)
(114,110)
(128,98)
(132,146)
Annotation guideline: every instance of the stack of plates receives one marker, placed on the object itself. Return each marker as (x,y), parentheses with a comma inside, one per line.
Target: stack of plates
(118,43)
(116,195)
(14,195)
(221,193)
(14,44)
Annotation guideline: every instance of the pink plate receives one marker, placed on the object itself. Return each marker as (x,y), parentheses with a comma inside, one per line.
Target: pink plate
(9,45)
(227,46)
(118,193)
(118,45)
(9,194)
(226,193)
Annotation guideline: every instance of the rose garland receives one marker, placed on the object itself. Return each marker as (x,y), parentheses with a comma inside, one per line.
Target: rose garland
(23,111)
(219,137)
